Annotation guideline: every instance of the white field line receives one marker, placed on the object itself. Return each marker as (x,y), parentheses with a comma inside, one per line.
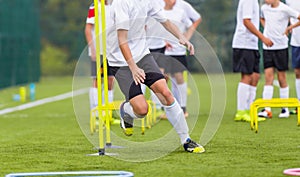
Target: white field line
(44,101)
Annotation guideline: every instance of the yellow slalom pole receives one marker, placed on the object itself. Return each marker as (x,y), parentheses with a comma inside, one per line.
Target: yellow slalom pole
(98,63)
(105,75)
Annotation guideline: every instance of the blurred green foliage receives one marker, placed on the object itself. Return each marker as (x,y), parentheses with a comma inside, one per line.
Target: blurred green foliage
(54,61)
(62,25)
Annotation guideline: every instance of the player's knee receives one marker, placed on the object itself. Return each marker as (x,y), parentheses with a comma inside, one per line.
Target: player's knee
(141,109)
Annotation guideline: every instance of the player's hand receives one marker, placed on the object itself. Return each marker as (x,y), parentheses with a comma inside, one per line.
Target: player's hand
(168,46)
(288,30)
(188,45)
(267,42)
(138,74)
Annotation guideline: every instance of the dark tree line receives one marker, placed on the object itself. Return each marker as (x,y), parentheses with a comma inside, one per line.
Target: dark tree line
(62,24)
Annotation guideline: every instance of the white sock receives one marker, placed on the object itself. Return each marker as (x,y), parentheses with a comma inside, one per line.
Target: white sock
(175,90)
(298,88)
(284,93)
(155,100)
(143,88)
(252,96)
(110,96)
(182,88)
(242,96)
(176,118)
(268,94)
(129,110)
(93,94)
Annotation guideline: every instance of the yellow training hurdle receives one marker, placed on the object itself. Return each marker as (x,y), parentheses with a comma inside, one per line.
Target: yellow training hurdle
(115,105)
(275,102)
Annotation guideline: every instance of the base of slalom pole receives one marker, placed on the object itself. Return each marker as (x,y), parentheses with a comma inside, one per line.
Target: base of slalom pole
(101,152)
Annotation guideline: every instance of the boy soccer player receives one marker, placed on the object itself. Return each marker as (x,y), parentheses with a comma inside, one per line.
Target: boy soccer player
(246,55)
(132,64)
(295,43)
(178,52)
(275,17)
(179,86)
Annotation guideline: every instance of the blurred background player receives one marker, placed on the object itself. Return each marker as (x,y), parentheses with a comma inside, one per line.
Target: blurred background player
(178,52)
(133,64)
(196,19)
(90,38)
(157,45)
(275,17)
(295,43)
(246,55)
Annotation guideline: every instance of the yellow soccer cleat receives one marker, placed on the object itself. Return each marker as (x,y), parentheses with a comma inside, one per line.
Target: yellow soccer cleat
(128,131)
(193,147)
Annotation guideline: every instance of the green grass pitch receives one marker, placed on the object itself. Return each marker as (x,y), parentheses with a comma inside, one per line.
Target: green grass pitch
(48,138)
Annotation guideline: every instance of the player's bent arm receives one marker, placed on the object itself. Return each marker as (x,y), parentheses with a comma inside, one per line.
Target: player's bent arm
(88,33)
(137,73)
(289,28)
(173,29)
(123,44)
(189,33)
(262,22)
(197,23)
(250,26)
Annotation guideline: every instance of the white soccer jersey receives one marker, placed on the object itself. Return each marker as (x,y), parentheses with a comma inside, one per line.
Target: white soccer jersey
(243,38)
(156,39)
(191,13)
(276,22)
(155,34)
(295,40)
(131,15)
(178,17)
(91,20)
(155,31)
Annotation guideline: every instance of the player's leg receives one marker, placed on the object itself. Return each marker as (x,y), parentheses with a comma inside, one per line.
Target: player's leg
(175,115)
(254,79)
(283,92)
(296,66)
(160,59)
(135,105)
(245,62)
(253,87)
(297,87)
(110,88)
(243,92)
(268,91)
(111,79)
(155,80)
(179,86)
(93,92)
(281,61)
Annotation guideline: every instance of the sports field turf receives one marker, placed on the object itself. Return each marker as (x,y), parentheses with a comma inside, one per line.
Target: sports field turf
(48,138)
